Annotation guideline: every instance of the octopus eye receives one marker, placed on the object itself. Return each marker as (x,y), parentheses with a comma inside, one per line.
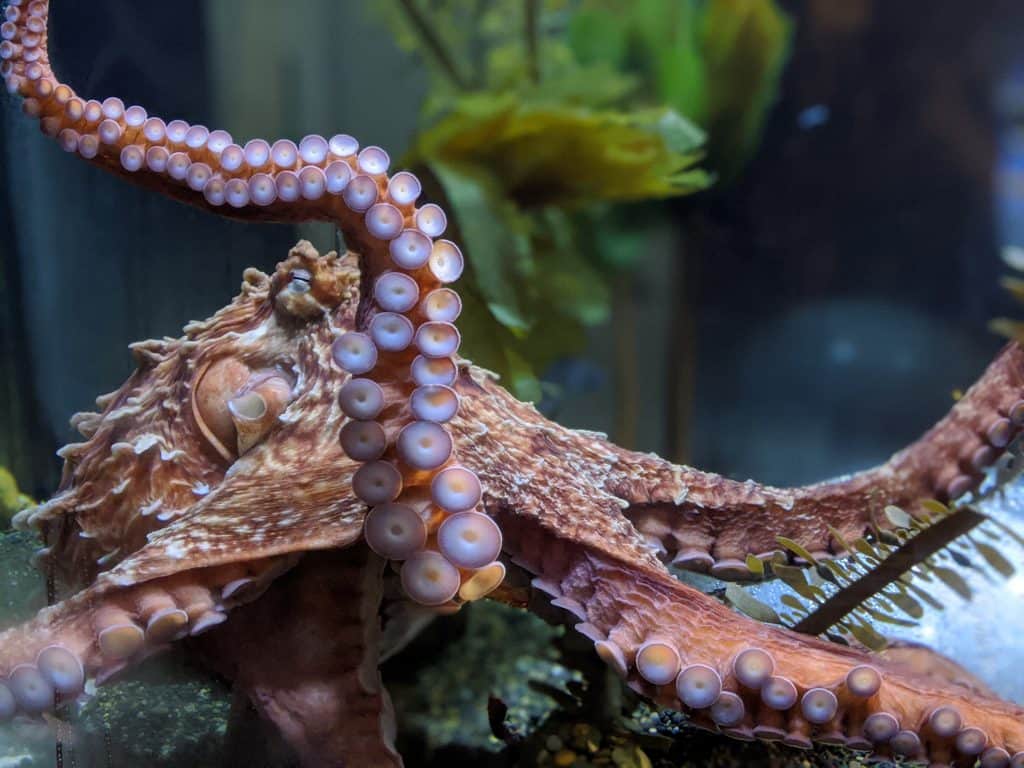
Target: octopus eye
(295,295)
(235,407)
(301,280)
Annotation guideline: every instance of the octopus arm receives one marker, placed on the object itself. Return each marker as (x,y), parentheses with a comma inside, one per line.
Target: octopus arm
(189,575)
(702,521)
(266,507)
(685,650)
(107,627)
(317,179)
(548,488)
(323,690)
(561,501)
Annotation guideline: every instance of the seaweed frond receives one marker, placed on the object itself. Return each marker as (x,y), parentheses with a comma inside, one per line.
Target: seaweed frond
(12,500)
(889,576)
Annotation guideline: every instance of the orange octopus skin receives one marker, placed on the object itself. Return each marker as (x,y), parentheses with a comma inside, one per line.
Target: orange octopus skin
(218,467)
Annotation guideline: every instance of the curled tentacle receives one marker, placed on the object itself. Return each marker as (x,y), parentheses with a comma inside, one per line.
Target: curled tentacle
(319,178)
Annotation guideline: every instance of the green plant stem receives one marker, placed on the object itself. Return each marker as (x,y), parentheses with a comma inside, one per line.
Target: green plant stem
(433,42)
(532,40)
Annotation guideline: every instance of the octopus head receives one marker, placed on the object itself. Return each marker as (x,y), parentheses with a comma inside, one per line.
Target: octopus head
(248,392)
(244,381)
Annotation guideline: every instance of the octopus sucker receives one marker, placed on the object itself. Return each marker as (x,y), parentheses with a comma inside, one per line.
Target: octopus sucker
(247,485)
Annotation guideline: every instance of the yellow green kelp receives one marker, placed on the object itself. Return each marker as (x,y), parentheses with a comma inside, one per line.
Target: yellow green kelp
(544,119)
(12,500)
(716,61)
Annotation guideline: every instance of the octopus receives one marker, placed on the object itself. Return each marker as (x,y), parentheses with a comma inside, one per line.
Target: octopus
(244,491)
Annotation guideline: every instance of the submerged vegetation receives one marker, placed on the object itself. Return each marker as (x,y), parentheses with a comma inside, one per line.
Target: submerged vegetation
(12,500)
(544,119)
(886,579)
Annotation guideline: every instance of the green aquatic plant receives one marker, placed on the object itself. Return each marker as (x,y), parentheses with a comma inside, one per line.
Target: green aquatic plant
(12,500)
(716,61)
(518,177)
(887,577)
(543,117)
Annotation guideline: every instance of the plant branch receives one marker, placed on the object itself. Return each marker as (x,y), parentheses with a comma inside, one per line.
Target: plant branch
(433,43)
(532,39)
(918,549)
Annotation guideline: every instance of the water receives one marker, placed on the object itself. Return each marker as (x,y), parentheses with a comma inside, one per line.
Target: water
(805,321)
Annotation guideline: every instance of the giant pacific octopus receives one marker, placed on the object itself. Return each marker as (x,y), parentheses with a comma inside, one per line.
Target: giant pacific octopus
(244,489)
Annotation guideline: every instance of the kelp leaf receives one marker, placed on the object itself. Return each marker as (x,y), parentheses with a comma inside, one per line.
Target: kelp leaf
(905,602)
(666,34)
(570,280)
(564,78)
(1014,286)
(751,606)
(936,507)
(886,617)
(959,558)
(612,236)
(879,602)
(791,602)
(1007,531)
(744,44)
(898,517)
(802,588)
(756,566)
(566,155)
(867,551)
(953,580)
(994,558)
(595,36)
(789,573)
(718,62)
(839,574)
(865,634)
(838,536)
(12,500)
(796,549)
(680,135)
(494,233)
(906,581)
(829,574)
(1012,329)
